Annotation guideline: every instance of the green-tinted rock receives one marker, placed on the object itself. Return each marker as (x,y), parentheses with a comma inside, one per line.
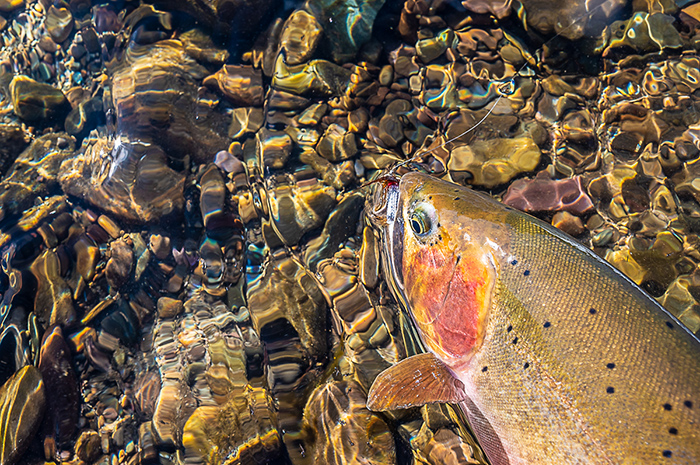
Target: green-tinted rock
(347,26)
(36,102)
(22,400)
(432,48)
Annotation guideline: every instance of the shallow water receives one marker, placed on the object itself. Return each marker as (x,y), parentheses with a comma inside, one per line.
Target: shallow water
(181,195)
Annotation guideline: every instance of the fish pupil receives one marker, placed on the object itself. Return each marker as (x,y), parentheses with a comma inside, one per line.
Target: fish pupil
(416,226)
(420,223)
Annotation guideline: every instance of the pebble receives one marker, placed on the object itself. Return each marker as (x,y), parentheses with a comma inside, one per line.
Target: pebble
(120,263)
(169,308)
(59,23)
(386,75)
(160,246)
(568,223)
(300,36)
(110,414)
(36,102)
(87,447)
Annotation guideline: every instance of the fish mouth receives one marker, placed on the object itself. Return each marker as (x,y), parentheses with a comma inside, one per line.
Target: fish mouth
(384,201)
(384,214)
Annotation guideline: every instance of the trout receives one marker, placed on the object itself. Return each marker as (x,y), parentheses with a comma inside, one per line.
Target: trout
(553,355)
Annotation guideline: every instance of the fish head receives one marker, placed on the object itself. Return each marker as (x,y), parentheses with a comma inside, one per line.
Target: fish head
(440,253)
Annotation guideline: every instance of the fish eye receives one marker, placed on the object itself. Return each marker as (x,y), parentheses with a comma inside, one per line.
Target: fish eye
(421,221)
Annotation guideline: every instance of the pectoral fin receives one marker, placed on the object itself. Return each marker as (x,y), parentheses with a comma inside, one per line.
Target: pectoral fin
(418,380)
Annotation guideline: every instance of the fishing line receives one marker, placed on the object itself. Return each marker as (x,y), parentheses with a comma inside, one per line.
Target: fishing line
(502,90)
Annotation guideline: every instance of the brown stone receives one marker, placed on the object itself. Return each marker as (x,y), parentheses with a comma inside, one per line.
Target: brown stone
(169,308)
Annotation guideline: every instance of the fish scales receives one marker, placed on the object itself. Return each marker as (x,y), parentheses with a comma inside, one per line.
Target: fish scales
(575,364)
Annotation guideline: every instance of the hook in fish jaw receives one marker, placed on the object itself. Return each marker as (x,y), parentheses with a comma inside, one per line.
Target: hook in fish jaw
(384,201)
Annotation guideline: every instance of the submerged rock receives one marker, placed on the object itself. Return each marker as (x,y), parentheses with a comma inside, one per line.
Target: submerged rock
(543,194)
(85,117)
(300,36)
(53,303)
(643,32)
(498,8)
(10,5)
(347,25)
(572,19)
(39,162)
(23,400)
(63,408)
(120,263)
(59,23)
(154,92)
(492,162)
(343,429)
(12,142)
(131,180)
(315,78)
(296,208)
(242,85)
(681,300)
(36,102)
(87,447)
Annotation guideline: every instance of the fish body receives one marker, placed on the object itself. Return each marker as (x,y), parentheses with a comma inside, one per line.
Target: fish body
(555,356)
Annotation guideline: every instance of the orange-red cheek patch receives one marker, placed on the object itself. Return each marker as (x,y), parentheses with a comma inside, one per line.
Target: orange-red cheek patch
(448,293)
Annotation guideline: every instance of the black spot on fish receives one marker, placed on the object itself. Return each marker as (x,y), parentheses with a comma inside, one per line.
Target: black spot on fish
(484,370)
(438,224)
(514,262)
(667,407)
(430,197)
(688,404)
(669,324)
(509,328)
(526,366)
(610,365)
(673,431)
(610,390)
(547,324)
(592,311)
(456,199)
(526,272)
(666,453)
(439,236)
(515,341)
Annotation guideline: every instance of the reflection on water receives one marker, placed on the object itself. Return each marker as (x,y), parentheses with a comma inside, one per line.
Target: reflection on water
(187,275)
